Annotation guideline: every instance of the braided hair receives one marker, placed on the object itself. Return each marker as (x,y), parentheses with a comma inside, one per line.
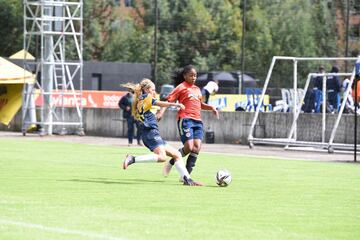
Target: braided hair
(178,75)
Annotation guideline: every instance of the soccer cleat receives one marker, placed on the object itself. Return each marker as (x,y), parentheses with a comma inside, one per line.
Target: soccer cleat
(167,169)
(190,182)
(128,161)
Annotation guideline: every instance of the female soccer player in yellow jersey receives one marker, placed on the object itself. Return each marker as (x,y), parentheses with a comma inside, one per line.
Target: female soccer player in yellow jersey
(144,99)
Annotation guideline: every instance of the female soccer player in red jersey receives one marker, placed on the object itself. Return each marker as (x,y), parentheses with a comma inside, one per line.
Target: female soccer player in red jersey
(190,125)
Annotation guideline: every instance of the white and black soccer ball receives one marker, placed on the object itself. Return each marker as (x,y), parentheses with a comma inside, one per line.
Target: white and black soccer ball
(223,178)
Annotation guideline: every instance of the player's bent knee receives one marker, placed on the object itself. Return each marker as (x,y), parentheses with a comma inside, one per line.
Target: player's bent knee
(195,150)
(177,157)
(161,157)
(191,149)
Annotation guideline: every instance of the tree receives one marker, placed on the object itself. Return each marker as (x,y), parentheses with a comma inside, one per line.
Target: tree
(323,22)
(288,28)
(98,21)
(226,43)
(129,45)
(205,33)
(11,27)
(259,47)
(208,34)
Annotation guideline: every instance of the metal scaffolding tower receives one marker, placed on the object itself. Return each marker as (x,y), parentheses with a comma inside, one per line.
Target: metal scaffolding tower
(53,33)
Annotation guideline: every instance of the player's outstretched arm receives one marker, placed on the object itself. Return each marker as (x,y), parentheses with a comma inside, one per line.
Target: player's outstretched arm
(205,106)
(160,113)
(169,104)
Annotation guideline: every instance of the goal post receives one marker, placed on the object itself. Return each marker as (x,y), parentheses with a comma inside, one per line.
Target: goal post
(291,139)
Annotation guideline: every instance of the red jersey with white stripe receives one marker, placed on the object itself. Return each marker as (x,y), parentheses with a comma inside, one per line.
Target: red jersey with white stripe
(190,96)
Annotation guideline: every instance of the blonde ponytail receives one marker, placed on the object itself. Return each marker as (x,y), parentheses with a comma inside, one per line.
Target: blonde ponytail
(137,90)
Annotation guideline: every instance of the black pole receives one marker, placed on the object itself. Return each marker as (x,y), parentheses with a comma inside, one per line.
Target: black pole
(242,50)
(155,43)
(347,33)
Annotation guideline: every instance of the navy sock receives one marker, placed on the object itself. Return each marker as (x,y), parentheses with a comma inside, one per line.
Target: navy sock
(190,162)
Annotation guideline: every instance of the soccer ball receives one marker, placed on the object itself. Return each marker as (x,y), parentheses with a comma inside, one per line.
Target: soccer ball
(223,178)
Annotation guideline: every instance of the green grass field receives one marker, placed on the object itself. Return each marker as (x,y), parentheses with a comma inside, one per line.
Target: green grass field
(55,190)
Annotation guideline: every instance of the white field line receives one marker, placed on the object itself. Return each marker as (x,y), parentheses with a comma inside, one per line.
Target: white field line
(58,230)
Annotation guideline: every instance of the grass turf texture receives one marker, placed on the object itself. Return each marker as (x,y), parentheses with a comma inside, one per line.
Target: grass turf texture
(55,190)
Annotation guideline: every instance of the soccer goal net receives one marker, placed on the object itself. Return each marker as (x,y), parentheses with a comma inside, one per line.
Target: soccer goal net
(323,128)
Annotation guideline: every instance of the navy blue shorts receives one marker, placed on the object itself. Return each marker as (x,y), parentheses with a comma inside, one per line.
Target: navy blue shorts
(151,138)
(190,129)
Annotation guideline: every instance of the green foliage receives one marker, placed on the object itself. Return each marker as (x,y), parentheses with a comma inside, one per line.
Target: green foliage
(11,27)
(292,35)
(98,25)
(259,47)
(195,32)
(167,57)
(324,25)
(287,28)
(206,33)
(227,37)
(129,45)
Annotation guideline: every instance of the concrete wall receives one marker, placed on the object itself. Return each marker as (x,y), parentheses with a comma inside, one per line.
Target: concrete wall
(232,127)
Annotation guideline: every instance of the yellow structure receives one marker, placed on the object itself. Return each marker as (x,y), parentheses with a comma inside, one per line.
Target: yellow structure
(12,80)
(22,54)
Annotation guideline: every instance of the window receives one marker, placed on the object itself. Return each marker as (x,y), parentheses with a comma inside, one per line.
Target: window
(355,7)
(354,33)
(128,3)
(96,81)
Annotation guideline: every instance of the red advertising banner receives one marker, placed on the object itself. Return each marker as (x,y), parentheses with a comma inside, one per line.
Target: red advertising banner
(88,99)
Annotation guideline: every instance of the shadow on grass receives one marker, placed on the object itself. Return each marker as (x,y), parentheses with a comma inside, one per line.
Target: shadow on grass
(129,181)
(113,181)
(351,162)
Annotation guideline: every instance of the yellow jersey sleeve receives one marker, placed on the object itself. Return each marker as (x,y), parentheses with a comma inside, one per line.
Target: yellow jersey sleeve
(147,103)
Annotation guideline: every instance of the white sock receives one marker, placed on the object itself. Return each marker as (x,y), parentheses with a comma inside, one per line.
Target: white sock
(146,158)
(180,167)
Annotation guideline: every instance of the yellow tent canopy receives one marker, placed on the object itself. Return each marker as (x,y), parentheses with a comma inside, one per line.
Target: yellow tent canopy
(22,54)
(12,80)
(11,73)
